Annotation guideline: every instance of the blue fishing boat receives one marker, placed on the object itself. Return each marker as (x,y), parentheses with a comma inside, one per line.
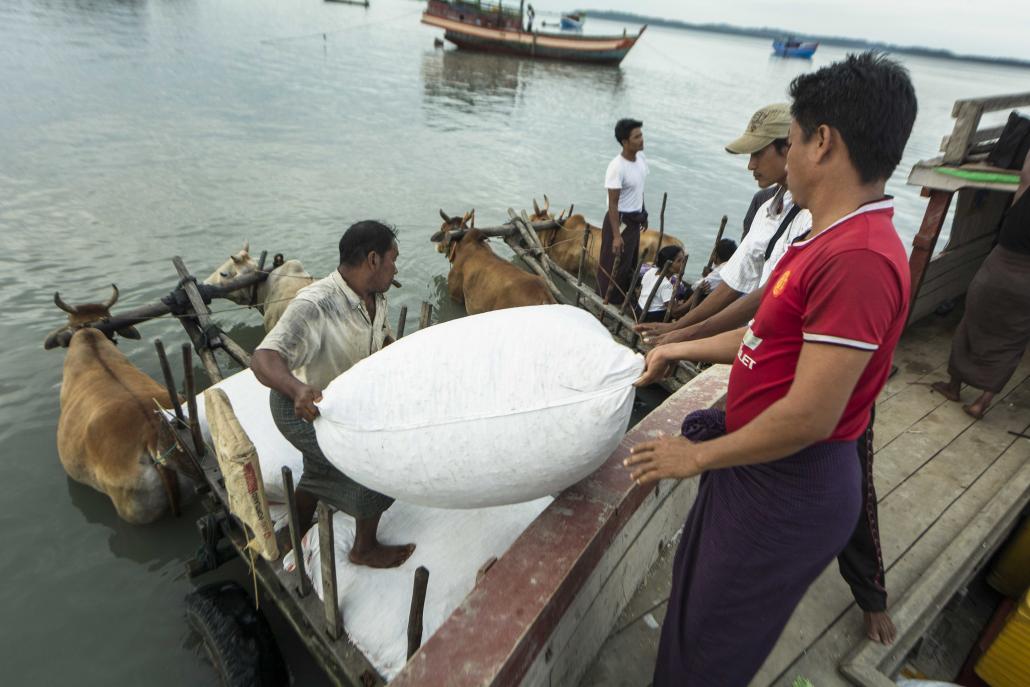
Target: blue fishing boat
(573,21)
(793,48)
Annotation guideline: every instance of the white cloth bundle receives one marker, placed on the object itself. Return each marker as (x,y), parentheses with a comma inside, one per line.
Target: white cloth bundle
(493,409)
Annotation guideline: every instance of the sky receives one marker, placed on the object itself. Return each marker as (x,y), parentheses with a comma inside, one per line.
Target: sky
(997,28)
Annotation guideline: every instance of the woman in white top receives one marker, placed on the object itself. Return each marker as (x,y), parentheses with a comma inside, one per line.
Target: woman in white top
(669,255)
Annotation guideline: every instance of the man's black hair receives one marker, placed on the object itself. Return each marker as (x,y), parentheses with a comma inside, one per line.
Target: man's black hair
(725,249)
(781,145)
(869,99)
(666,254)
(624,127)
(364,237)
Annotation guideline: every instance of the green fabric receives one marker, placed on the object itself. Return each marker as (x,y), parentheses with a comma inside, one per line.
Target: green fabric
(976,175)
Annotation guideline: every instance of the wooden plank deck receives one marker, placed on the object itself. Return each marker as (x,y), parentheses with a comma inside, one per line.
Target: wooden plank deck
(935,468)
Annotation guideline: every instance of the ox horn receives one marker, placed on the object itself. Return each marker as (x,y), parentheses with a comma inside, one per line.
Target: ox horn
(113,299)
(70,309)
(547,203)
(444,215)
(536,208)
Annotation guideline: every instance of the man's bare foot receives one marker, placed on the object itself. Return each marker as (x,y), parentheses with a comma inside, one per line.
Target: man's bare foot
(974,410)
(382,556)
(946,390)
(879,627)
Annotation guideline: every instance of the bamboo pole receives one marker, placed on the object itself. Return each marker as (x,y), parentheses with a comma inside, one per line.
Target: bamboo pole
(260,268)
(582,260)
(661,226)
(426,317)
(401,321)
(191,400)
(632,287)
(611,277)
(166,370)
(711,258)
(327,554)
(418,604)
(303,584)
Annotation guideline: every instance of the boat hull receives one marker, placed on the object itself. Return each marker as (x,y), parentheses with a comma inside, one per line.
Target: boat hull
(803,50)
(597,50)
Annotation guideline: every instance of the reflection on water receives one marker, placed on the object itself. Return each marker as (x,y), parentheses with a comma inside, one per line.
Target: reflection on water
(484,84)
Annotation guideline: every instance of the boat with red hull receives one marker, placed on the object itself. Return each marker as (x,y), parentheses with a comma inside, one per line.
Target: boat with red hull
(498,29)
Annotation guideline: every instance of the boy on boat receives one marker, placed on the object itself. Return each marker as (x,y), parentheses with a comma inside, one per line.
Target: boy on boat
(780,492)
(327,328)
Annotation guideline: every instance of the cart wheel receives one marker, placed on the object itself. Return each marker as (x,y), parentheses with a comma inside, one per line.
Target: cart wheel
(236,636)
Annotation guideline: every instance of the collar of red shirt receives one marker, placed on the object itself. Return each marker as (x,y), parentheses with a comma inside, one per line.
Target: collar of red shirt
(885,203)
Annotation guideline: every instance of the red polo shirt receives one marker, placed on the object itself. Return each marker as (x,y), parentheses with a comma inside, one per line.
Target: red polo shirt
(847,286)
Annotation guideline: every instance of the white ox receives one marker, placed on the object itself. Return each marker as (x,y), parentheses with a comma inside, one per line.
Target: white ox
(273,294)
(108,435)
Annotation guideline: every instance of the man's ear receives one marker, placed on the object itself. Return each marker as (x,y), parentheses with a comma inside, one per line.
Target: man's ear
(373,260)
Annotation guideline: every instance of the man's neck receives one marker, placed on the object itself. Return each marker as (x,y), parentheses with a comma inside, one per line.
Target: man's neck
(630,155)
(836,203)
(357,284)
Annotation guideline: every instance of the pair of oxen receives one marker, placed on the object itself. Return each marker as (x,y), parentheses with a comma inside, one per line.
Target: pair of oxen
(109,435)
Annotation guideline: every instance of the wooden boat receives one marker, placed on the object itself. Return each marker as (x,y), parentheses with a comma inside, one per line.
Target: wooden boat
(793,48)
(495,28)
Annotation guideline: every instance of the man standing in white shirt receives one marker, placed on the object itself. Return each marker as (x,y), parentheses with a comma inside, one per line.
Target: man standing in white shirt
(624,181)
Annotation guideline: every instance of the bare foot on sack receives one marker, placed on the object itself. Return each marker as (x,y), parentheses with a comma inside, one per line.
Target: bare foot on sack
(879,627)
(946,390)
(382,556)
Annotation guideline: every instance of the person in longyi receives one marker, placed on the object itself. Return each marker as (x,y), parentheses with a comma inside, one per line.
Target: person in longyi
(780,487)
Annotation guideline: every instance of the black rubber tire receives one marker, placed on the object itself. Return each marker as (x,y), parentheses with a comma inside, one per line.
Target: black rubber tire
(236,636)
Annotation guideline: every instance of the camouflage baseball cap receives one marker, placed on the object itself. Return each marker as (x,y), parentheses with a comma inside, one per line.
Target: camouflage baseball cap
(766,125)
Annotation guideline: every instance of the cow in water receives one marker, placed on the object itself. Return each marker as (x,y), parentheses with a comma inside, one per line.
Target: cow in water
(480,279)
(565,243)
(273,294)
(108,435)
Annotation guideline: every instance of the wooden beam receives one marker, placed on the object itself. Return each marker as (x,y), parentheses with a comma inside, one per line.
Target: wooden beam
(926,240)
(401,321)
(418,604)
(327,554)
(303,584)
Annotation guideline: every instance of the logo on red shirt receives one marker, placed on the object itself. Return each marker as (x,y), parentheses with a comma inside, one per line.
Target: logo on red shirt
(781,284)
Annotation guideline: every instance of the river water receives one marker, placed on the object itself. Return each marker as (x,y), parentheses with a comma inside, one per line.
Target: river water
(134,130)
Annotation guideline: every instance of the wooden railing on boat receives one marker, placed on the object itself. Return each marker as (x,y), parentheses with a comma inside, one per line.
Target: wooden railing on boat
(939,279)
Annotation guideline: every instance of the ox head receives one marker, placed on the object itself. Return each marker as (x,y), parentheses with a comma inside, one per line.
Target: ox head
(236,265)
(542,214)
(452,231)
(84,315)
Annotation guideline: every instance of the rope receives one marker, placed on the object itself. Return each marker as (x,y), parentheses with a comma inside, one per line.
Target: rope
(344,29)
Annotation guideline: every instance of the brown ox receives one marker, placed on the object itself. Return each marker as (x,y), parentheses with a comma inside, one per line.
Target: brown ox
(564,244)
(273,294)
(109,436)
(481,280)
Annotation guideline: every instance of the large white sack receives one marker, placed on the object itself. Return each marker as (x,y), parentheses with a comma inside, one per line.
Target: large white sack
(487,410)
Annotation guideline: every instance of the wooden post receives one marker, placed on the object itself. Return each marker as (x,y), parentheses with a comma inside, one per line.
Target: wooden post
(711,258)
(207,357)
(166,370)
(199,331)
(661,226)
(327,553)
(611,277)
(418,603)
(303,585)
(582,260)
(426,318)
(191,400)
(401,321)
(632,287)
(925,241)
(234,350)
(675,288)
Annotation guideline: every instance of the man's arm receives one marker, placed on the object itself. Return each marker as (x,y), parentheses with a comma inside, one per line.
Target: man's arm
(717,349)
(718,299)
(825,379)
(613,220)
(736,314)
(271,370)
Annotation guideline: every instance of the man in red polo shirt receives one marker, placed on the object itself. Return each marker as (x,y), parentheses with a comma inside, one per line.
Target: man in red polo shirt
(780,492)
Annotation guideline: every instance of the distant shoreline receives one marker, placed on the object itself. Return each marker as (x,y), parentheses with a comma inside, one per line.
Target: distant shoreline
(838,41)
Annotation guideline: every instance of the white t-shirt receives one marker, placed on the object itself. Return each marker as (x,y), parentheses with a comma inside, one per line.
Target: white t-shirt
(661,297)
(748,269)
(713,279)
(628,178)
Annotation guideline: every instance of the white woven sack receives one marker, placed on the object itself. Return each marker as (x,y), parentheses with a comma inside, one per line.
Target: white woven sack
(488,410)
